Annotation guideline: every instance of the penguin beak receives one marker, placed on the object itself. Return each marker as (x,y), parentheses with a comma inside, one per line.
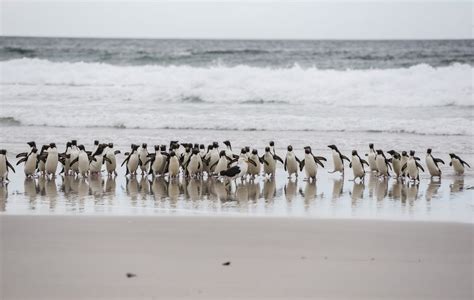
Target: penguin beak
(250,161)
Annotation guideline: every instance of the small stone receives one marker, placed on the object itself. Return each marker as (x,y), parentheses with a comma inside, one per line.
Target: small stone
(130,275)
(227,263)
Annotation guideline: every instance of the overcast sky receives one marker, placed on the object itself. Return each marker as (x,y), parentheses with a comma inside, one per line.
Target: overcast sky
(244,19)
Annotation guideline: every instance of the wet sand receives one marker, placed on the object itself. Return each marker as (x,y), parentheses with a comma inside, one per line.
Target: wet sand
(57,257)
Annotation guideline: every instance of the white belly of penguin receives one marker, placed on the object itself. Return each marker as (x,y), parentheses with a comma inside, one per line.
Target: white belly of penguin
(74,155)
(357,168)
(310,166)
(412,169)
(112,165)
(291,165)
(457,166)
(221,165)
(96,165)
(254,170)
(143,159)
(432,168)
(397,166)
(83,164)
(372,161)
(132,163)
(30,164)
(381,165)
(270,166)
(338,164)
(3,166)
(158,164)
(173,167)
(193,166)
(51,162)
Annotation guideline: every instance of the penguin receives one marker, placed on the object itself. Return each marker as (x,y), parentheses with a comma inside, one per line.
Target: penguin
(229,152)
(403,161)
(458,164)
(32,145)
(213,157)
(132,161)
(371,158)
(156,161)
(291,162)
(42,159)
(357,165)
(269,160)
(382,163)
(83,162)
(74,153)
(111,162)
(194,164)
(223,163)
(239,170)
(143,156)
(412,167)
(173,165)
(4,165)
(396,161)
(272,147)
(31,163)
(66,159)
(96,145)
(310,164)
(338,159)
(52,160)
(254,170)
(432,164)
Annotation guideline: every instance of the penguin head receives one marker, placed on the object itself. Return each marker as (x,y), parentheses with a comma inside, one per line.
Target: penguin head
(215,144)
(196,151)
(227,143)
(32,144)
(188,149)
(255,152)
(333,147)
(157,147)
(144,145)
(307,150)
(68,144)
(412,153)
(272,143)
(34,150)
(52,145)
(354,152)
(74,142)
(428,151)
(134,147)
(44,147)
(222,153)
(379,151)
(209,147)
(81,147)
(3,151)
(307,147)
(111,145)
(396,155)
(391,152)
(243,151)
(163,148)
(404,153)
(172,154)
(267,149)
(452,155)
(371,146)
(96,142)
(247,149)
(202,147)
(289,148)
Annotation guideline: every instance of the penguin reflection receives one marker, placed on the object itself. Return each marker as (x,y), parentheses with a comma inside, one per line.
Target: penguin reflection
(3,195)
(412,191)
(173,190)
(242,194)
(337,188)
(254,190)
(457,185)
(381,189)
(396,190)
(220,189)
(159,188)
(269,189)
(357,192)
(31,190)
(194,189)
(290,189)
(144,187)
(51,191)
(432,189)
(373,182)
(96,186)
(132,188)
(309,193)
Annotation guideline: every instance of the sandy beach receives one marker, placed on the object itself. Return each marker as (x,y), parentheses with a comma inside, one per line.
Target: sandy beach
(50,257)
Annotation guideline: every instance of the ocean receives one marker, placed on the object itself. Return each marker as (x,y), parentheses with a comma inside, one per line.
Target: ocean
(398,94)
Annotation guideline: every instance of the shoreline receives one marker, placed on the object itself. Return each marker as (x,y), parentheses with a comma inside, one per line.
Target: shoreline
(88,257)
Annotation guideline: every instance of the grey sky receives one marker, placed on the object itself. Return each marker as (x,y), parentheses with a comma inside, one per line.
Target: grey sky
(268,20)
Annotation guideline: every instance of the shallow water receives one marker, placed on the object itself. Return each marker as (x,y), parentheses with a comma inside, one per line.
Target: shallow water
(331,196)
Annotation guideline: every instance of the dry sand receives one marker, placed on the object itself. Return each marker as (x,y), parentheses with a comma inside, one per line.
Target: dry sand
(52,257)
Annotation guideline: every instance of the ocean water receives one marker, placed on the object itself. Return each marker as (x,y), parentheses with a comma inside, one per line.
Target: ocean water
(398,94)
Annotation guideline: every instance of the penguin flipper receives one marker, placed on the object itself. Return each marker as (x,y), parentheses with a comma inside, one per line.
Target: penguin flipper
(21,160)
(75,160)
(404,167)
(297,159)
(125,161)
(350,164)
(265,162)
(321,158)
(419,166)
(10,166)
(21,154)
(117,152)
(465,163)
(107,159)
(302,165)
(319,162)
(278,158)
(284,165)
(363,161)
(450,163)
(345,157)
(438,160)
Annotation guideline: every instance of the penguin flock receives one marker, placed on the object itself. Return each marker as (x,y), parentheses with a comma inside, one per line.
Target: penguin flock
(196,160)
